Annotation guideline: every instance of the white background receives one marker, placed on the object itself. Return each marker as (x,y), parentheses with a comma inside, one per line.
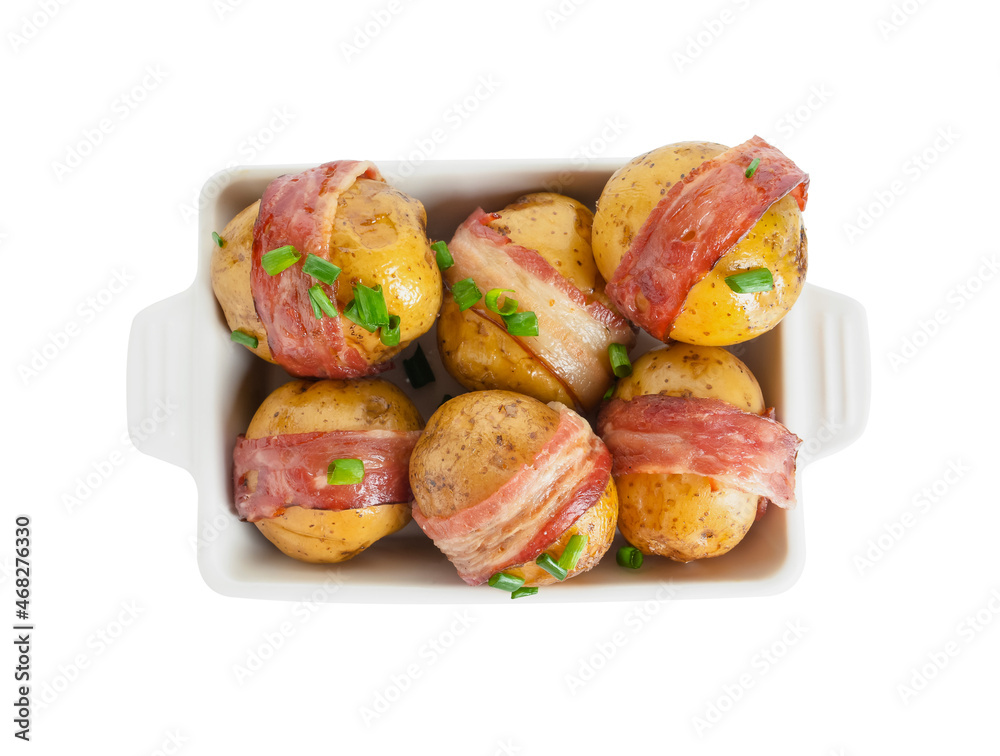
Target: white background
(140,656)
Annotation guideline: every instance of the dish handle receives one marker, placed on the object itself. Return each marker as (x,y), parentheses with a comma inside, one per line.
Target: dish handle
(827,374)
(159,380)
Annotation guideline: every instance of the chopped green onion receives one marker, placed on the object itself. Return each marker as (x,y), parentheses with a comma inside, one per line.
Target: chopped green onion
(753,168)
(320,269)
(345,472)
(493,302)
(610,391)
(573,551)
(368,308)
(525,591)
(390,333)
(320,301)
(417,370)
(317,312)
(217,239)
(620,364)
(505,582)
(750,281)
(244,338)
(629,556)
(465,293)
(521,324)
(443,255)
(278,259)
(551,566)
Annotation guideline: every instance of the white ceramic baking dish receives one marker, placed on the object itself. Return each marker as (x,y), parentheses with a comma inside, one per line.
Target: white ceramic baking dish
(815,368)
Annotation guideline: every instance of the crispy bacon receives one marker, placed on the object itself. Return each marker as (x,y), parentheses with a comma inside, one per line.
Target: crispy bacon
(700,219)
(291,470)
(300,210)
(573,334)
(671,434)
(531,510)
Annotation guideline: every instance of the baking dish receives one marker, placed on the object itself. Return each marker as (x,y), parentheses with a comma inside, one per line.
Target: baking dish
(814,368)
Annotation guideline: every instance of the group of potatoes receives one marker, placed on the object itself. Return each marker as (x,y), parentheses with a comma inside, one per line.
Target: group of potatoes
(473,440)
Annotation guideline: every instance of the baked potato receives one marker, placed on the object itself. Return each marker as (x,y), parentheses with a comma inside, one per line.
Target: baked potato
(712,313)
(475,345)
(304,407)
(686,516)
(480,446)
(372,232)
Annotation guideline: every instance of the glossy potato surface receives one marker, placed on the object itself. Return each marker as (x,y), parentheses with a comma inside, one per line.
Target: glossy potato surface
(321,536)
(475,346)
(685,516)
(713,314)
(377,237)
(475,443)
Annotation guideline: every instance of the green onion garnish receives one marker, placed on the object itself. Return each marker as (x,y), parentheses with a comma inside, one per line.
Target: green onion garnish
(244,338)
(320,269)
(417,370)
(551,566)
(610,391)
(505,582)
(629,556)
(443,255)
(278,259)
(753,168)
(390,333)
(573,551)
(465,293)
(620,364)
(493,302)
(750,281)
(525,591)
(521,324)
(217,239)
(368,308)
(320,301)
(345,472)
(317,312)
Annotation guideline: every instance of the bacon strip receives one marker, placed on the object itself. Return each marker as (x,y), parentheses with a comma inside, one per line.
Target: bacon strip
(300,210)
(291,471)
(531,510)
(573,334)
(700,219)
(670,434)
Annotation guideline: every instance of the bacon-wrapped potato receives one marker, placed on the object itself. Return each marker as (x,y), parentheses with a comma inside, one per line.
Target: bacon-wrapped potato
(345,214)
(499,479)
(282,475)
(696,452)
(673,224)
(538,246)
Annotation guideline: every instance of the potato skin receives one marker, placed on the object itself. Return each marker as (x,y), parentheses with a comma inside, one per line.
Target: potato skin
(685,516)
(713,314)
(475,443)
(474,345)
(322,536)
(378,237)
(231,279)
